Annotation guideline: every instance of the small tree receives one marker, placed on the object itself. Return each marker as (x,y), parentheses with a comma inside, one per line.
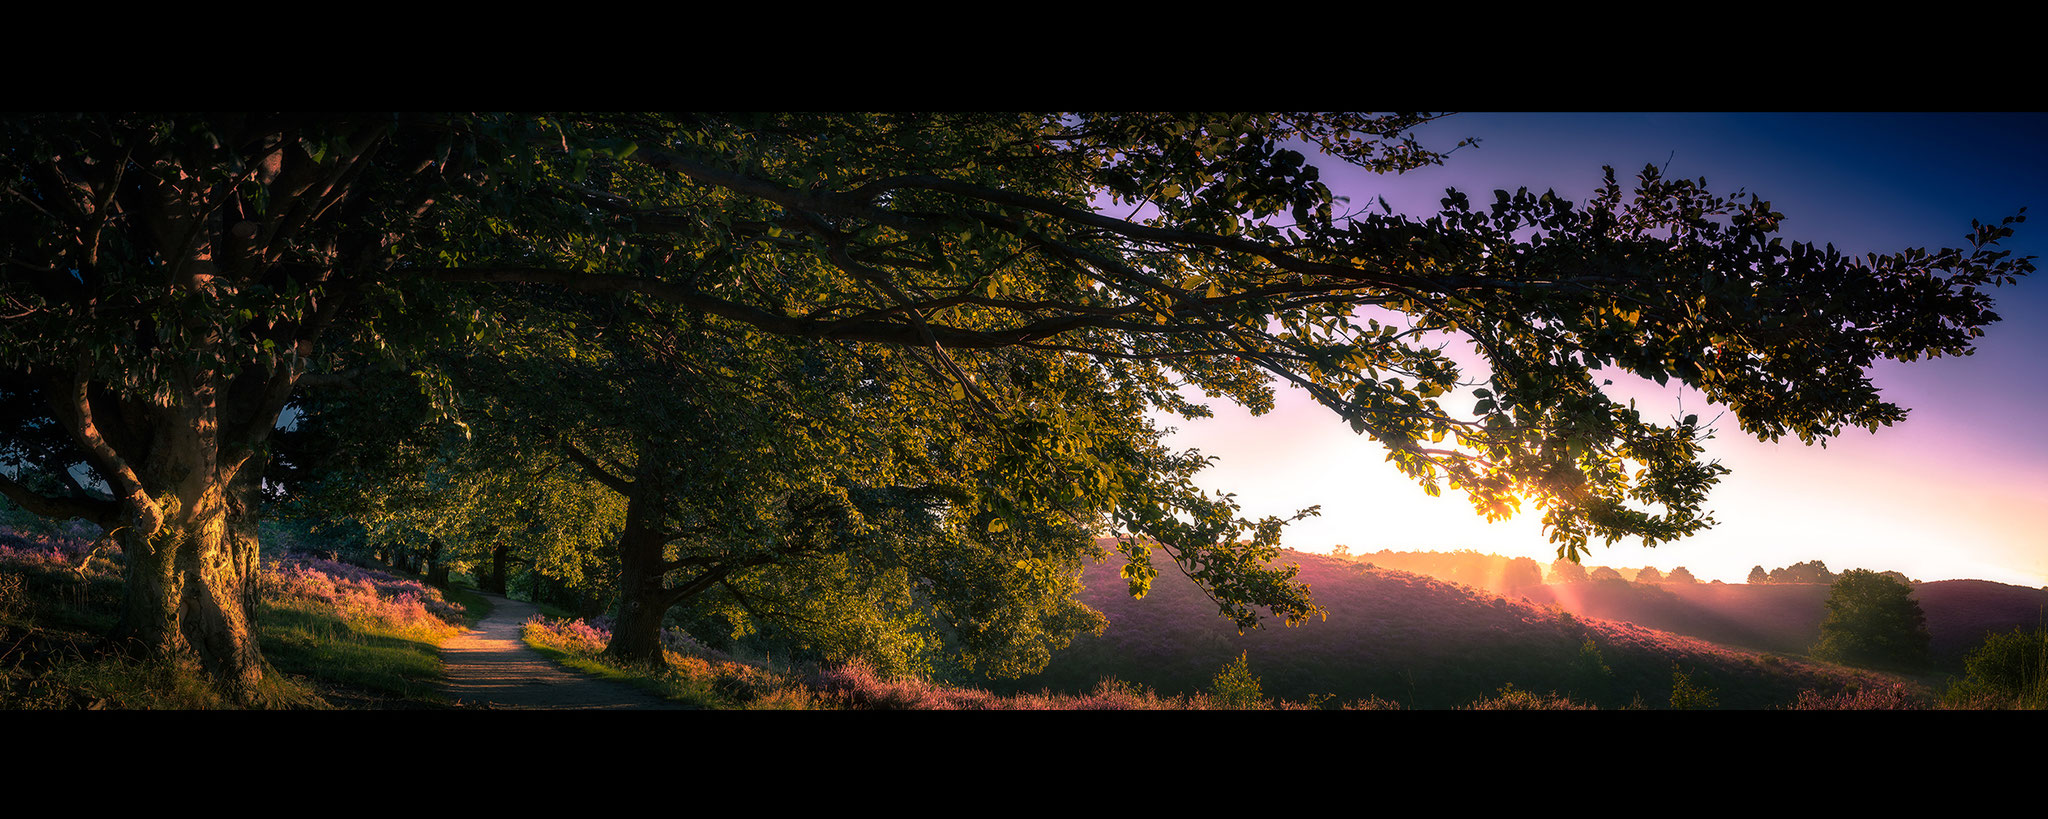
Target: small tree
(1758,577)
(1681,575)
(1605,573)
(1236,687)
(1687,695)
(1591,678)
(1650,575)
(1873,620)
(1567,571)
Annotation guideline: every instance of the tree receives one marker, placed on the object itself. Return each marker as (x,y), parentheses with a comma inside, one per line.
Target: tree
(1521,572)
(1604,573)
(1812,571)
(1649,575)
(1236,687)
(1567,571)
(1681,575)
(1873,620)
(1758,577)
(173,281)
(496,498)
(1591,678)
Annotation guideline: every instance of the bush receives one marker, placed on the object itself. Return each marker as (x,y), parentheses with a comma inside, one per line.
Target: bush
(1511,698)
(2006,671)
(1591,678)
(1877,698)
(1236,687)
(1687,695)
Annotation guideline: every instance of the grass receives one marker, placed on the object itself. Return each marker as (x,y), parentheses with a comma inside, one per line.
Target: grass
(705,678)
(338,636)
(335,636)
(715,682)
(475,606)
(357,666)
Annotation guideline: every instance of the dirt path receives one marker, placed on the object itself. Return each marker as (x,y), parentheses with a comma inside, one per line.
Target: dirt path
(491,667)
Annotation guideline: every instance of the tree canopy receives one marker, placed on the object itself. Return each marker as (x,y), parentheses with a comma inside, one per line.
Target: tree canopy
(1873,620)
(172,282)
(1565,570)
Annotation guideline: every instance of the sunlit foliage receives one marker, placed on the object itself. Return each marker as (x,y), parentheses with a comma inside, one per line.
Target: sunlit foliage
(1873,620)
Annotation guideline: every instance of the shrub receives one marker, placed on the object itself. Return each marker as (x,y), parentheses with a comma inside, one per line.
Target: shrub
(1689,696)
(1236,687)
(1590,675)
(568,635)
(363,597)
(1513,699)
(1893,697)
(2006,671)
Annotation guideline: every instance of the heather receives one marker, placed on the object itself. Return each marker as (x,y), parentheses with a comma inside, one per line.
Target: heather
(705,677)
(1893,697)
(365,598)
(688,672)
(341,635)
(1400,637)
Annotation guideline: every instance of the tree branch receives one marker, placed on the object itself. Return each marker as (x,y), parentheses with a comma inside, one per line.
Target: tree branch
(597,470)
(103,512)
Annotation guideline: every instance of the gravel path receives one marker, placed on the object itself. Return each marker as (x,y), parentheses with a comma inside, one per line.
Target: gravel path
(491,667)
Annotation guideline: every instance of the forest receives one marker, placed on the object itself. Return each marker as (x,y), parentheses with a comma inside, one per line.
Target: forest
(873,393)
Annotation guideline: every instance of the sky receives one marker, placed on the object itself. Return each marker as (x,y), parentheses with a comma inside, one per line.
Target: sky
(1959,490)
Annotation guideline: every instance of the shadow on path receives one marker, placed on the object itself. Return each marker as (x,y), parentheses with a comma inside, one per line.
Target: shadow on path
(491,667)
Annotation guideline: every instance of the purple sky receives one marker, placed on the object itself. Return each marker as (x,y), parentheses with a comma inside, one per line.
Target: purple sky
(1957,491)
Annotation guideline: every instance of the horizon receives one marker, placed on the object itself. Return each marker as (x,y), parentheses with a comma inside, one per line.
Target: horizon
(1946,494)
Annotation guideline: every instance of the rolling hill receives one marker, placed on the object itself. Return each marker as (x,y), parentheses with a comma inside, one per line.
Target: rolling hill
(1416,640)
(1786,617)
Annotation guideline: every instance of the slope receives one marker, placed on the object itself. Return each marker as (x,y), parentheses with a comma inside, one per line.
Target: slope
(1413,639)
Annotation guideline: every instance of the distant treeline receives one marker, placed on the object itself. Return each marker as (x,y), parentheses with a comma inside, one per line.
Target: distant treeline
(1504,574)
(1477,569)
(1812,571)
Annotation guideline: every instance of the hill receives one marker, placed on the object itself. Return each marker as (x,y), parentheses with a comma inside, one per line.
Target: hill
(1786,617)
(1961,612)
(1413,639)
(1777,617)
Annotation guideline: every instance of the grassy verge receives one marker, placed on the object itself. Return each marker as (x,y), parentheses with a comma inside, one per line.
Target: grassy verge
(699,682)
(475,607)
(352,666)
(335,636)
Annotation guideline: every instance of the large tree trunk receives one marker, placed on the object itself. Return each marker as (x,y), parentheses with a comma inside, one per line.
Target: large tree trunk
(192,560)
(643,602)
(188,598)
(495,581)
(437,564)
(183,254)
(644,594)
